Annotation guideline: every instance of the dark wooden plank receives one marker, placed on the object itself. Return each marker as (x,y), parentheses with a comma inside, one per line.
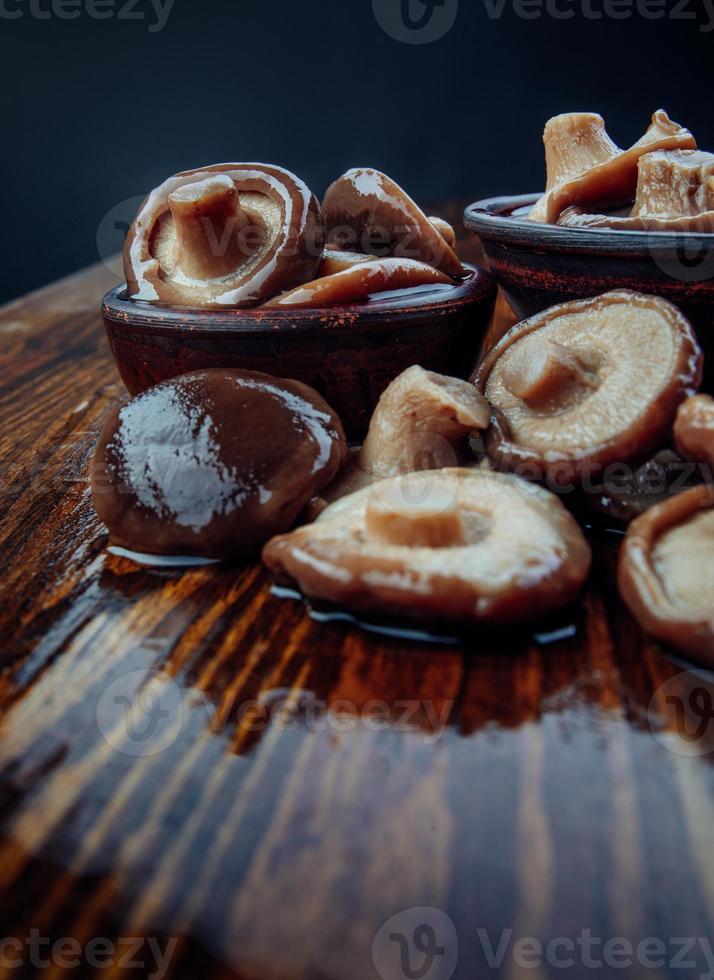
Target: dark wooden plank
(281,787)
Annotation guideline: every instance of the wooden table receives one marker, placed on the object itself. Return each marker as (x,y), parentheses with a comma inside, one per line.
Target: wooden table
(189,759)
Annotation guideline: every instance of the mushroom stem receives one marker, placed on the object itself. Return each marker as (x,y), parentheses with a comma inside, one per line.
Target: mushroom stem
(208,220)
(434,522)
(543,370)
(575,142)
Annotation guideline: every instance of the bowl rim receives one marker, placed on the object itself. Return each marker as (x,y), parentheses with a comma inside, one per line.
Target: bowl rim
(117,308)
(490,218)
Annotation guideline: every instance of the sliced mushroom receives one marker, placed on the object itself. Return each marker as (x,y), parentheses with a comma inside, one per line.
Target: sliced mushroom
(213,463)
(675,192)
(468,545)
(694,430)
(361,280)
(585,168)
(366,211)
(586,384)
(666,572)
(233,234)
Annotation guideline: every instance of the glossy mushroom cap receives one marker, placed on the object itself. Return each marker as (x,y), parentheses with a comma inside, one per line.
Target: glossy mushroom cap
(234,234)
(213,463)
(359,281)
(694,430)
(422,418)
(585,168)
(586,384)
(468,545)
(666,572)
(366,211)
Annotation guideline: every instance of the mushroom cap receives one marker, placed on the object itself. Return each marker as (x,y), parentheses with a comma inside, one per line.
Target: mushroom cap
(666,572)
(359,281)
(694,429)
(585,168)
(467,545)
(379,214)
(263,238)
(588,383)
(421,415)
(213,463)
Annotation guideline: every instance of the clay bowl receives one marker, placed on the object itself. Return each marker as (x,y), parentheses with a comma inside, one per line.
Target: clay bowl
(540,265)
(348,353)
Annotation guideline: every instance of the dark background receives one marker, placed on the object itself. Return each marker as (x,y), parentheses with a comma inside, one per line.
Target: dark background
(96,112)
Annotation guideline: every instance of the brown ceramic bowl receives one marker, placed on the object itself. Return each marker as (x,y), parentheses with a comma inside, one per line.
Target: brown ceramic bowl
(348,353)
(540,265)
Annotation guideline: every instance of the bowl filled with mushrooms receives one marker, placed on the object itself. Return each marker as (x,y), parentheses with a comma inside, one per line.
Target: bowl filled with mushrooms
(238,266)
(639,219)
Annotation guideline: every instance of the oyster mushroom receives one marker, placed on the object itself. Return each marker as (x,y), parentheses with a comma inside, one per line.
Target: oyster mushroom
(213,463)
(675,192)
(422,421)
(233,234)
(586,384)
(585,168)
(445,230)
(468,545)
(359,281)
(365,210)
(666,572)
(337,260)
(694,430)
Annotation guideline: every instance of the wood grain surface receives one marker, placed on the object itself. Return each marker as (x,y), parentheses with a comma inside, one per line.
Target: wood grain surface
(198,778)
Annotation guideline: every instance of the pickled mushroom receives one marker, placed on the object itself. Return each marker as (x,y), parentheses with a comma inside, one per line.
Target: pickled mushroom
(360,281)
(587,169)
(586,384)
(366,210)
(422,421)
(468,545)
(233,234)
(675,192)
(694,430)
(666,572)
(213,463)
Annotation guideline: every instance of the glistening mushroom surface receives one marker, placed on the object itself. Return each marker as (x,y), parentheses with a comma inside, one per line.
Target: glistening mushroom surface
(213,463)
(588,383)
(666,572)
(233,234)
(694,430)
(675,192)
(585,168)
(367,211)
(421,422)
(467,545)
(359,281)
